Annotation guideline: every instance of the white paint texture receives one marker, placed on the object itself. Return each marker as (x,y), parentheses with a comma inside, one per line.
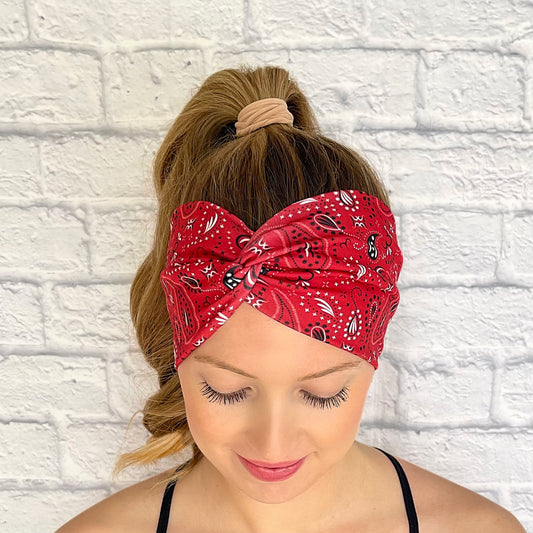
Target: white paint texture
(437,95)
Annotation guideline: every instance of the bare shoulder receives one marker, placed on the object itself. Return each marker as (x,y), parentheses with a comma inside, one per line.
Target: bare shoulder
(134,509)
(446,507)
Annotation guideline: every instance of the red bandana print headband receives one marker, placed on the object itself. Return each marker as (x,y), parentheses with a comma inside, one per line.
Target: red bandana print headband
(325,266)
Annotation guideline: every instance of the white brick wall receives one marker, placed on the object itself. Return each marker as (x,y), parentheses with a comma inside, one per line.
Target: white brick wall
(438,97)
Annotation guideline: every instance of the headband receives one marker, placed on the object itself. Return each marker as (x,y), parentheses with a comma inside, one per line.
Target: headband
(325,266)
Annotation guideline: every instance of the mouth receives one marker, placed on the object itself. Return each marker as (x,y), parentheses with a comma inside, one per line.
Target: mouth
(283,464)
(267,473)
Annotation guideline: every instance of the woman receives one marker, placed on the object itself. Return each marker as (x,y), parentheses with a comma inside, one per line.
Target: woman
(263,306)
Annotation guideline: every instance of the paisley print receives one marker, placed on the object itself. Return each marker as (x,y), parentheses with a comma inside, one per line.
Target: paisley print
(326,266)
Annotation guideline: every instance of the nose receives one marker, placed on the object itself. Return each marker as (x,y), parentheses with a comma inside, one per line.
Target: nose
(274,427)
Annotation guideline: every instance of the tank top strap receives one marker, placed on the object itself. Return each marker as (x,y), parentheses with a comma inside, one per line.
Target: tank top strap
(166,503)
(406,490)
(410,509)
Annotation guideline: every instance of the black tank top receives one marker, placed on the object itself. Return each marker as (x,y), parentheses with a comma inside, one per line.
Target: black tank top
(406,490)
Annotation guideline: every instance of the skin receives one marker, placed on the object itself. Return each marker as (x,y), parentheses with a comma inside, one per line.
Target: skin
(343,486)
(274,423)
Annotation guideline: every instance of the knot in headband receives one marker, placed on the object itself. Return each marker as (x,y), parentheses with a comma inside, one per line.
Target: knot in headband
(325,266)
(262,113)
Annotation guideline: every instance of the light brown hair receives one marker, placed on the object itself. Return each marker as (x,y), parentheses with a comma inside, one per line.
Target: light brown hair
(254,177)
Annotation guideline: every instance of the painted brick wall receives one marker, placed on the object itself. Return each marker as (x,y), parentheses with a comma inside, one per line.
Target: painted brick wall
(438,99)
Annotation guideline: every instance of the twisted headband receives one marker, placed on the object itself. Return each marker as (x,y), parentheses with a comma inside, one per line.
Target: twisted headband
(325,266)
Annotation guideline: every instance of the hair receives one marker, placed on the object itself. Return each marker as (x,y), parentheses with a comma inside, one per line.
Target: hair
(253,176)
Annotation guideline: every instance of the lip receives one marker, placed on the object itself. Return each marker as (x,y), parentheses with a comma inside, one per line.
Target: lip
(273,465)
(272,474)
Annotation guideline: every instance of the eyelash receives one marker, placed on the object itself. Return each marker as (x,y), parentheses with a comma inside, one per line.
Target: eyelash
(316,401)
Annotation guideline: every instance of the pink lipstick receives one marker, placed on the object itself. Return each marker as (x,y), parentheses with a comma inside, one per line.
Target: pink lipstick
(272,471)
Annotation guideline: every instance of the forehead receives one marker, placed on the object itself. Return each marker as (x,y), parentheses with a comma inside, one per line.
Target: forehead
(249,336)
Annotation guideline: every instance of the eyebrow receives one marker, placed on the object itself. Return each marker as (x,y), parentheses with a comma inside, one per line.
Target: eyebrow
(227,366)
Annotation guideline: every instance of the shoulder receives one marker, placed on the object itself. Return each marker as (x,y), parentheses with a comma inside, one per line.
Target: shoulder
(134,509)
(444,506)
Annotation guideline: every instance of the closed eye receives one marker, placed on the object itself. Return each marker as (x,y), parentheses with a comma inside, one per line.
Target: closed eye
(240,395)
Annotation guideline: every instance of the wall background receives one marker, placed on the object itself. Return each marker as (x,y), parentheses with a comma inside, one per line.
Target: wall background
(437,96)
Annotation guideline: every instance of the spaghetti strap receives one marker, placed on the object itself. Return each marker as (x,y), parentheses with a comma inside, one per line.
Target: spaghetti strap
(165,508)
(406,490)
(164,513)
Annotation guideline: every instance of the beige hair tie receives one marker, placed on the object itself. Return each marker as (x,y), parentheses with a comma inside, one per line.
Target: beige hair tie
(262,113)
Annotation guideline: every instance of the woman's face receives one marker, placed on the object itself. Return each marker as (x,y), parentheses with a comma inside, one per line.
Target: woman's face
(273,416)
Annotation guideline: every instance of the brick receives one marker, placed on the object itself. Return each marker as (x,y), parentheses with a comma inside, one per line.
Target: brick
(478,90)
(28,451)
(51,508)
(404,21)
(455,169)
(13,25)
(49,86)
(98,166)
(363,94)
(58,384)
(522,503)
(519,233)
(227,22)
(20,314)
(304,20)
(101,21)
(90,451)
(20,174)
(42,239)
(122,239)
(431,318)
(88,315)
(143,90)
(516,396)
(439,397)
(450,246)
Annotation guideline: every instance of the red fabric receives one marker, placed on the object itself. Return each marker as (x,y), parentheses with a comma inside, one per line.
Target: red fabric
(326,266)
